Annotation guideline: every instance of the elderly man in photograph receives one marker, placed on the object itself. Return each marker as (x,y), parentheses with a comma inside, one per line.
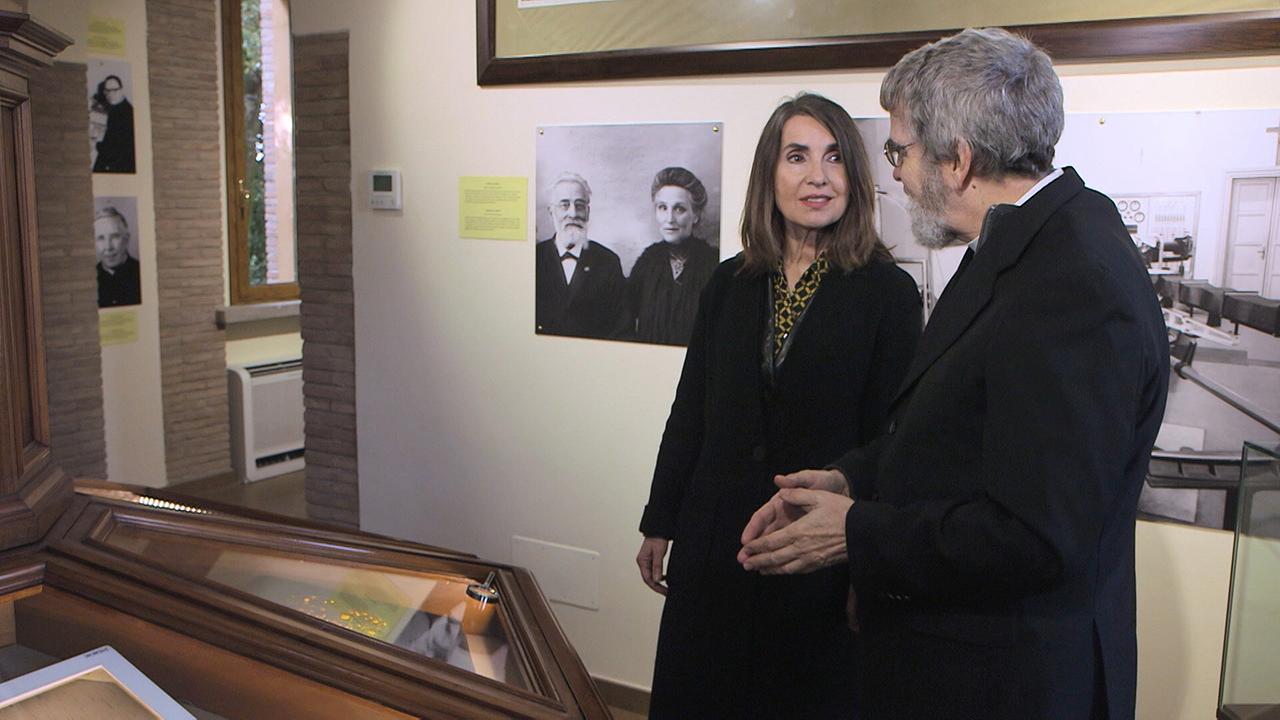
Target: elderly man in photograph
(118,277)
(579,283)
(989,531)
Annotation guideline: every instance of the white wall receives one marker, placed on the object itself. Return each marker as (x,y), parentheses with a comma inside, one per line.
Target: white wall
(466,440)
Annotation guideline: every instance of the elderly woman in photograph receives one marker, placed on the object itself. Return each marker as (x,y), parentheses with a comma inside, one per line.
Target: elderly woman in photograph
(798,346)
(670,274)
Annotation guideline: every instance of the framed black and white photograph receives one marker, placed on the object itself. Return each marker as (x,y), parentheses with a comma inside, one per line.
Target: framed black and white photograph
(111,146)
(537,41)
(627,229)
(115,239)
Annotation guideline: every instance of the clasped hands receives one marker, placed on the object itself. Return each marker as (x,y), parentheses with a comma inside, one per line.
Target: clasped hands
(801,528)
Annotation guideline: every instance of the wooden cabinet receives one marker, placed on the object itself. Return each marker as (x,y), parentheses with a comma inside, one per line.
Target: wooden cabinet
(32,489)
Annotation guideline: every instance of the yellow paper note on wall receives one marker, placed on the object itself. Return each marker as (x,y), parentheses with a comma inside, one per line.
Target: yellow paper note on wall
(118,327)
(106,36)
(492,208)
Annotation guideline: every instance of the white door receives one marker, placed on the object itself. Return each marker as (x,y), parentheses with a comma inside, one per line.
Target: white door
(1253,238)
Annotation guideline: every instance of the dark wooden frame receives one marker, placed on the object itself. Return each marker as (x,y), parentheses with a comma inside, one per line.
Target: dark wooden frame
(78,560)
(33,489)
(242,291)
(1219,34)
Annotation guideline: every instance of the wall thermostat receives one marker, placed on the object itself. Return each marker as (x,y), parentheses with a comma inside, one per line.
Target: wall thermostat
(384,189)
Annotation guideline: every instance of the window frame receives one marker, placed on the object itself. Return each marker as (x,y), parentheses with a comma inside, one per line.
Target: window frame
(242,290)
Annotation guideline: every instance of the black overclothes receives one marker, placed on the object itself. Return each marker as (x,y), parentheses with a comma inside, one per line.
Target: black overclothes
(665,307)
(734,644)
(992,542)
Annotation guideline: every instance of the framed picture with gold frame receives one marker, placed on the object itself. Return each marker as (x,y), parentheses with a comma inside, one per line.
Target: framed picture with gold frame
(518,41)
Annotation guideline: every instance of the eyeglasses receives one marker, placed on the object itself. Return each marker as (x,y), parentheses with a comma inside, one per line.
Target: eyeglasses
(895,153)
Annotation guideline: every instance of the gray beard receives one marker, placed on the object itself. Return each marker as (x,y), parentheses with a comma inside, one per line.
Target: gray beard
(927,222)
(574,237)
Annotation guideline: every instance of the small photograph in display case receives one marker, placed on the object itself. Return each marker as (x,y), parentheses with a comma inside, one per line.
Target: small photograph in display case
(100,679)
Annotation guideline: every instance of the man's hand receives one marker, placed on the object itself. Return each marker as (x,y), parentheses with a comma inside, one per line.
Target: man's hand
(652,552)
(798,531)
(829,480)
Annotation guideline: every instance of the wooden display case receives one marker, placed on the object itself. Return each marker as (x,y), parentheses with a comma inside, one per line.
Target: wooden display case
(246,616)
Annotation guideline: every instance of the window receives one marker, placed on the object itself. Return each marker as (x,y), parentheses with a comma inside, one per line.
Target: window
(258,83)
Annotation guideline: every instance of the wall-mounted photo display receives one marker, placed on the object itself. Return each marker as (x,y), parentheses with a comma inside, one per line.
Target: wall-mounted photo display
(110,116)
(115,239)
(1199,193)
(628,229)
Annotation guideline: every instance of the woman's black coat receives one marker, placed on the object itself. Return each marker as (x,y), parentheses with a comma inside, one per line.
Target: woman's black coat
(734,644)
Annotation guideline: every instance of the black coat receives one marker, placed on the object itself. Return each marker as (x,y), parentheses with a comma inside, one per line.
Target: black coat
(123,286)
(992,544)
(115,149)
(740,645)
(665,308)
(593,305)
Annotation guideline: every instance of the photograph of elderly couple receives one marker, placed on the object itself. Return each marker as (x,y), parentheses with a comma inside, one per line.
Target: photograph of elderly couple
(628,229)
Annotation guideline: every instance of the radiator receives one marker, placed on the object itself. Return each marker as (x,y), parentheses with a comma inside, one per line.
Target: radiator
(266,418)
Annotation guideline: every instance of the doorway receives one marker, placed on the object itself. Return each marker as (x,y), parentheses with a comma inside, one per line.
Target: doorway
(1253,235)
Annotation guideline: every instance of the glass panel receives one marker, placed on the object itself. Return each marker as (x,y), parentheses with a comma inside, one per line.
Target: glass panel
(427,613)
(268,137)
(1251,653)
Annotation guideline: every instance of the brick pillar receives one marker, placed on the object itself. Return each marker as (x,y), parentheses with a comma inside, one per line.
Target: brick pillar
(69,284)
(323,136)
(182,55)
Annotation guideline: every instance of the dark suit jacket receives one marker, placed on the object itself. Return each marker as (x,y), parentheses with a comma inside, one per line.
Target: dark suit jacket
(122,287)
(992,542)
(735,644)
(593,305)
(115,149)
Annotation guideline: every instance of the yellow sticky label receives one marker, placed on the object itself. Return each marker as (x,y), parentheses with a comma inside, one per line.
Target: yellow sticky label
(493,208)
(106,36)
(118,327)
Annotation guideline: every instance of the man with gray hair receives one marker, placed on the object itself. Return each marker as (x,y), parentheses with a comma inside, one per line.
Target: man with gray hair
(578,283)
(119,281)
(989,532)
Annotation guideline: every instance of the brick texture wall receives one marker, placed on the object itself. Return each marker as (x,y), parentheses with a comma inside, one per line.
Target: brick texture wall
(270,192)
(183,62)
(323,136)
(69,283)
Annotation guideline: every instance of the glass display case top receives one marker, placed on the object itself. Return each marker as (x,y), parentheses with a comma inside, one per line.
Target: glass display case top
(430,614)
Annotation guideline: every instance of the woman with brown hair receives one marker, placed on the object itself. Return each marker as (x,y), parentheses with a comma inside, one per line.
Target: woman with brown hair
(799,344)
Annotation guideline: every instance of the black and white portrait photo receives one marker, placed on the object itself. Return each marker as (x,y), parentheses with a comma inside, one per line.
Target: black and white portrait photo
(115,238)
(110,117)
(628,229)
